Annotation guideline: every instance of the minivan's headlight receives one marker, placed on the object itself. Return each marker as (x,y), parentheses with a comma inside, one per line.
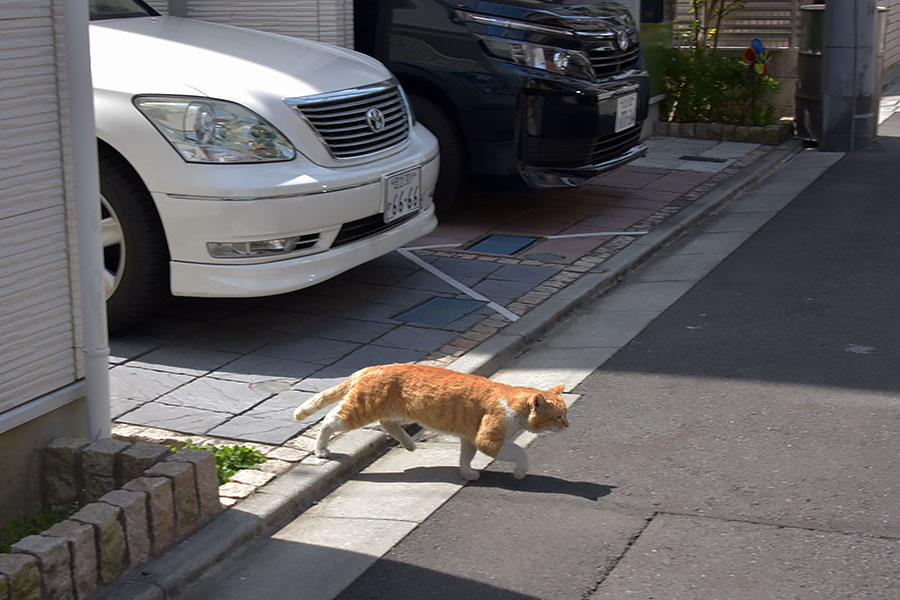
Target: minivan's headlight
(572,63)
(214,131)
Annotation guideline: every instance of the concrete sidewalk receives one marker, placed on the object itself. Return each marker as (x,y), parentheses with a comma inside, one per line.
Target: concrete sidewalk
(169,373)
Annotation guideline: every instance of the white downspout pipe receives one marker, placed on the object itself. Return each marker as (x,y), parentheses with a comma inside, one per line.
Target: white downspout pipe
(87,209)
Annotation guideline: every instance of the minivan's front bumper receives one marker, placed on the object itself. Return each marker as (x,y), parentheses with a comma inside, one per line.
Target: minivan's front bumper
(567,130)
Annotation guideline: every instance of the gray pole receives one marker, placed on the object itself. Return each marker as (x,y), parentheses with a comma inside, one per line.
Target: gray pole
(178,8)
(849,76)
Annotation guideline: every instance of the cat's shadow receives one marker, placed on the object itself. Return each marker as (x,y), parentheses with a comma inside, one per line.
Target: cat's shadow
(538,484)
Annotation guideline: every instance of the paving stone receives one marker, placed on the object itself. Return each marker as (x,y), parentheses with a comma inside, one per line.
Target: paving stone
(416,338)
(60,469)
(23,576)
(185,360)
(502,291)
(109,535)
(55,560)
(183,418)
(423,280)
(187,503)
(255,367)
(524,273)
(207,479)
(139,457)
(236,490)
(309,349)
(348,330)
(83,549)
(101,468)
(134,509)
(118,406)
(373,355)
(455,267)
(265,430)
(142,385)
(230,339)
(161,509)
(253,477)
(439,311)
(215,395)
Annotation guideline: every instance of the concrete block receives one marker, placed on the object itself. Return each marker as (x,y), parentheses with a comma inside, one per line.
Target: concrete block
(61,471)
(137,534)
(55,564)
(99,466)
(187,503)
(160,507)
(23,576)
(140,457)
(110,536)
(83,548)
(4,587)
(207,480)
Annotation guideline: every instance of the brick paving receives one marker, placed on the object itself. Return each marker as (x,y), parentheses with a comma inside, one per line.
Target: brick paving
(233,370)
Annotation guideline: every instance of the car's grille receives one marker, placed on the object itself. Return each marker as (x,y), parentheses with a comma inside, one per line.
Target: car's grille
(609,59)
(357,122)
(361,228)
(541,153)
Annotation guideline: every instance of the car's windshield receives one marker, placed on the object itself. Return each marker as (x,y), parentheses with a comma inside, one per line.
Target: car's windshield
(119,9)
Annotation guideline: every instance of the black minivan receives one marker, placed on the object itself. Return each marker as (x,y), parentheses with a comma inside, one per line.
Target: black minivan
(550,90)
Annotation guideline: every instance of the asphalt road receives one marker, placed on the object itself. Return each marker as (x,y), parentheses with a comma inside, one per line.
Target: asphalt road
(746,444)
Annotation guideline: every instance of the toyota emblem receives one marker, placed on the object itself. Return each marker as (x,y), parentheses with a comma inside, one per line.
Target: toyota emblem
(622,38)
(375,119)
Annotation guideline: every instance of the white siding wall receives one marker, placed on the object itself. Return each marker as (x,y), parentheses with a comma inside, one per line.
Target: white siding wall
(892,34)
(321,20)
(37,317)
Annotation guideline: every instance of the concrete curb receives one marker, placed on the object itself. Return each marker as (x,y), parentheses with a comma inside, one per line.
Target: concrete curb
(275,503)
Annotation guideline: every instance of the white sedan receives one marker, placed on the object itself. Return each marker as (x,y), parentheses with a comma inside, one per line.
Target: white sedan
(238,163)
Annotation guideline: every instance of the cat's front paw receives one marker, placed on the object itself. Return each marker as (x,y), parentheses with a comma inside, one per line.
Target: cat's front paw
(323,453)
(469,474)
(520,473)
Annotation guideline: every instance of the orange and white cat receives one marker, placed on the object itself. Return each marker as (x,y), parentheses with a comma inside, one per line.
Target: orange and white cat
(484,414)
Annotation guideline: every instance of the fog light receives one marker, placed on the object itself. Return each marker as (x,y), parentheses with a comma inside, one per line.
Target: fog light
(261,247)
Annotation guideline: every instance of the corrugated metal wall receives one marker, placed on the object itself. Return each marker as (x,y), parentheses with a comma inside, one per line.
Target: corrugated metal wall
(328,21)
(37,273)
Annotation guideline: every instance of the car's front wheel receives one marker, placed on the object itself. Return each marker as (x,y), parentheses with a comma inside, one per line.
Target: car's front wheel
(135,258)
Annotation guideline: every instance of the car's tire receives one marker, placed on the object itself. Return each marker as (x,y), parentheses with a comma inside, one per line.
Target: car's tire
(135,256)
(441,123)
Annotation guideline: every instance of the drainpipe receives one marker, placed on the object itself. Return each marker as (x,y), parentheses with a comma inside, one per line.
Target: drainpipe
(87,210)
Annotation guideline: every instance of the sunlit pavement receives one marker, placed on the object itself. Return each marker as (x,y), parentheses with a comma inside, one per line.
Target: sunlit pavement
(235,369)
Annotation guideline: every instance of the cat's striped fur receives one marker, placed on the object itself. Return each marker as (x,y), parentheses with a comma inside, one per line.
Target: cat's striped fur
(484,414)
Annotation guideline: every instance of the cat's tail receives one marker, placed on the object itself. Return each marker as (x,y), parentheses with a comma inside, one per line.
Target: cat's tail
(320,401)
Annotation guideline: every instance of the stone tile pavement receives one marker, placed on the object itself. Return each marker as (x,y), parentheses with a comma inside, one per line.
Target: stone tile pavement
(217,370)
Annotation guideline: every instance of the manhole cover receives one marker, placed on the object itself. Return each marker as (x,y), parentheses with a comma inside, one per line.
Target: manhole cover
(439,311)
(502,244)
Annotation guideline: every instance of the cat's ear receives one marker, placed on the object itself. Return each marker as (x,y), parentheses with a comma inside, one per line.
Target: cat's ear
(539,403)
(557,389)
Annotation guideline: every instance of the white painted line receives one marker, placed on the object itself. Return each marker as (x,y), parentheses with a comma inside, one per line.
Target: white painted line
(430,247)
(594,234)
(460,286)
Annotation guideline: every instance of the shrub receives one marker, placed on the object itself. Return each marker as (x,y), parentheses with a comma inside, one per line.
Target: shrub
(229,459)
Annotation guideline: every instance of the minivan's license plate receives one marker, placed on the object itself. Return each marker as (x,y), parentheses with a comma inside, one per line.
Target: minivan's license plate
(626,112)
(402,194)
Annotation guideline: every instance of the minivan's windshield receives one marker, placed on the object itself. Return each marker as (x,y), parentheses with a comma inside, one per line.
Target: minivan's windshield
(118,9)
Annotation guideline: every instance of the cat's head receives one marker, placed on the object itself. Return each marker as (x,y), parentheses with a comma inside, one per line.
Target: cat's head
(548,410)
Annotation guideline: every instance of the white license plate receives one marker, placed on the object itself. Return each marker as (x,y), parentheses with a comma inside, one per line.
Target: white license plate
(402,194)
(626,112)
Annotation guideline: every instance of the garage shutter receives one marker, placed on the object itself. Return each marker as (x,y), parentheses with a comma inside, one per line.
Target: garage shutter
(37,334)
(328,21)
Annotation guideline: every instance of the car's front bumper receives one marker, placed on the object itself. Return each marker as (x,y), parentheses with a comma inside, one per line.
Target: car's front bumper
(290,274)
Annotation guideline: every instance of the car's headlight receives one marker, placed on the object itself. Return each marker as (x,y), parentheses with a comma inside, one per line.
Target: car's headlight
(572,63)
(214,131)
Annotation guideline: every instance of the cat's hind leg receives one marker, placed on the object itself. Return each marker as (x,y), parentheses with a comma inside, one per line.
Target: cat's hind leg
(397,432)
(512,452)
(466,454)
(331,424)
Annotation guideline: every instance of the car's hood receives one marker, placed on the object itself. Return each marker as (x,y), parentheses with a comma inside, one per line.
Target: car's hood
(170,55)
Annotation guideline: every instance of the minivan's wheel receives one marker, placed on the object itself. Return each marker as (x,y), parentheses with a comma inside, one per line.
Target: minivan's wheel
(135,258)
(453,154)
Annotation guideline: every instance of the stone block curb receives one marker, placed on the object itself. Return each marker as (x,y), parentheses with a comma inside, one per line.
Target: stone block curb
(305,482)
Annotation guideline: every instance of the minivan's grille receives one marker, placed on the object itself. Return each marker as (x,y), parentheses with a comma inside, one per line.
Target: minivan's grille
(610,60)
(357,122)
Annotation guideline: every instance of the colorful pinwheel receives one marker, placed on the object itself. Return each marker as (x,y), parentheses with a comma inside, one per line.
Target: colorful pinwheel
(757,59)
